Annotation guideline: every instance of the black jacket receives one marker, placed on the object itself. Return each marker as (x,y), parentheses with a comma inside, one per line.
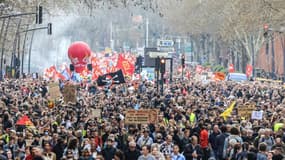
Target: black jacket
(108,153)
(189,149)
(132,155)
(220,141)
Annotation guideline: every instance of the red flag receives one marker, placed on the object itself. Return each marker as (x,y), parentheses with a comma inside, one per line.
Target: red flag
(231,68)
(24,121)
(219,76)
(248,70)
(127,67)
(59,76)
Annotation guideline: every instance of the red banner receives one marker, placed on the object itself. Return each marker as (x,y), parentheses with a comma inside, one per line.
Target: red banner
(231,68)
(127,67)
(248,70)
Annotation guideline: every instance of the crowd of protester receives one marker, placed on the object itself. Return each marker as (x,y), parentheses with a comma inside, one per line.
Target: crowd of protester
(189,123)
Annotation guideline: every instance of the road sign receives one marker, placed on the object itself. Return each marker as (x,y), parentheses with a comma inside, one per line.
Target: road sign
(159,54)
(188,48)
(165,49)
(165,43)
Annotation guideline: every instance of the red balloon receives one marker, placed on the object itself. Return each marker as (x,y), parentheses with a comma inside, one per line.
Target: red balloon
(79,53)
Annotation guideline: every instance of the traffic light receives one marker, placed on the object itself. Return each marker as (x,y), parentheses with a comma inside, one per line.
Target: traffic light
(139,64)
(265,27)
(157,64)
(49,28)
(183,61)
(71,67)
(89,67)
(162,65)
(39,15)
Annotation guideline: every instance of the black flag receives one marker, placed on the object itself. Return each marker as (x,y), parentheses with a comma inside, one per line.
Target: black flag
(111,78)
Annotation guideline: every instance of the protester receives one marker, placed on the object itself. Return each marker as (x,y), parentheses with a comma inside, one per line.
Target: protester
(193,151)
(146,154)
(132,152)
(155,151)
(176,155)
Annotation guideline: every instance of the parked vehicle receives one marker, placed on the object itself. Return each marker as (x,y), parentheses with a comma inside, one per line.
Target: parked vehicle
(237,77)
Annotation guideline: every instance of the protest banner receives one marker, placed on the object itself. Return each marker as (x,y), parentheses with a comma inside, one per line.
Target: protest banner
(54,91)
(246,110)
(69,93)
(142,116)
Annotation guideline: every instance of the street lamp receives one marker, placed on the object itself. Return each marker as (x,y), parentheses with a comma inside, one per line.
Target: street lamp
(183,65)
(162,71)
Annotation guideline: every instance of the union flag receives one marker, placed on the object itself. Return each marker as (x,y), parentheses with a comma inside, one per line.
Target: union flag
(125,65)
(248,70)
(231,68)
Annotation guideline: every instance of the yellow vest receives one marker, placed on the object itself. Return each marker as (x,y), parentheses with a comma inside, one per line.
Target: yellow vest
(192,118)
(277,126)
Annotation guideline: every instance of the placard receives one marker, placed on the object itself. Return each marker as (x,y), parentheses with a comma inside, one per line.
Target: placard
(142,116)
(257,115)
(96,113)
(245,110)
(69,93)
(54,91)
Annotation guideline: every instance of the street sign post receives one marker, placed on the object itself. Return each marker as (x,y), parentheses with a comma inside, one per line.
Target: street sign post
(165,45)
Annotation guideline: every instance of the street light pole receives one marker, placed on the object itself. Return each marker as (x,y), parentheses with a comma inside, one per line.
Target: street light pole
(30,51)
(111,36)
(157,68)
(2,30)
(162,71)
(171,69)
(13,59)
(146,32)
(182,65)
(3,46)
(23,52)
(161,81)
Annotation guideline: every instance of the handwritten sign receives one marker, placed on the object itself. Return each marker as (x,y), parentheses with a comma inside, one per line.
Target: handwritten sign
(143,116)
(54,91)
(69,93)
(96,113)
(245,110)
(257,115)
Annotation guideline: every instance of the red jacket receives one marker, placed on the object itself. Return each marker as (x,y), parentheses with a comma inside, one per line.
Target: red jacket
(204,138)
(98,141)
(29,157)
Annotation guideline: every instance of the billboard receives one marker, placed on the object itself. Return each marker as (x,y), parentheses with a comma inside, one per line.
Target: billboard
(148,73)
